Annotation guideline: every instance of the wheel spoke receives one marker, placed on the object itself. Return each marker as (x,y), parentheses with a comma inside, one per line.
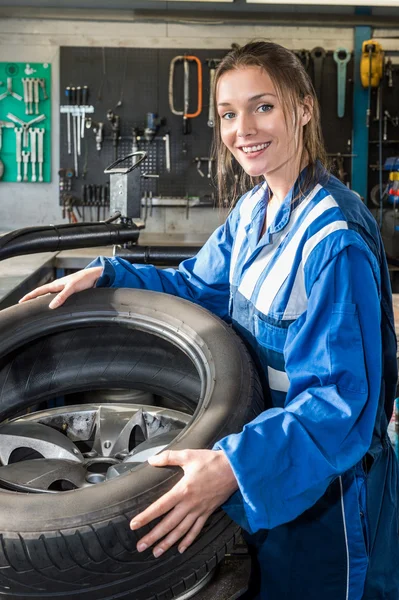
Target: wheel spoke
(115,429)
(151,446)
(43,475)
(48,442)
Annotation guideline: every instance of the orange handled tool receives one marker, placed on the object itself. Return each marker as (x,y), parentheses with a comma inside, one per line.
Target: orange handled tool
(186,100)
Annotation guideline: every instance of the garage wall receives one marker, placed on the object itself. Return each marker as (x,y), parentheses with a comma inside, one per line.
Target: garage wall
(39,41)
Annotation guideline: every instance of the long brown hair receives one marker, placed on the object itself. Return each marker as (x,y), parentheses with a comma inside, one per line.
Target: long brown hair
(293,86)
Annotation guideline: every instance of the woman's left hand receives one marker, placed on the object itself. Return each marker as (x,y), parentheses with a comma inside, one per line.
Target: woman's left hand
(207,483)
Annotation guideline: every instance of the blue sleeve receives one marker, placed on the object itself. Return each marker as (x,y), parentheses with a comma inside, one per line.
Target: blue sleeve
(285,459)
(203,279)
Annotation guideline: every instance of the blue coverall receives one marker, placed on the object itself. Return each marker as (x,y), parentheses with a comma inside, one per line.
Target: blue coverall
(318,479)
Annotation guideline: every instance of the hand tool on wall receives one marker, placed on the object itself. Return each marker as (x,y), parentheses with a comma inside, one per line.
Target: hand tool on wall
(32,134)
(166,139)
(212,64)
(26,96)
(318,55)
(98,130)
(9,91)
(29,88)
(341,56)
(207,159)
(85,102)
(25,126)
(40,153)
(42,83)
(78,103)
(74,130)
(186,86)
(152,126)
(115,124)
(68,116)
(25,160)
(389,72)
(18,149)
(36,94)
(371,70)
(7,125)
(198,161)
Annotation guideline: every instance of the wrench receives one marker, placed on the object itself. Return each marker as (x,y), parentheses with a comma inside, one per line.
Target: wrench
(32,134)
(318,55)
(25,84)
(18,145)
(341,56)
(40,133)
(25,159)
(24,125)
(9,91)
(30,96)
(36,95)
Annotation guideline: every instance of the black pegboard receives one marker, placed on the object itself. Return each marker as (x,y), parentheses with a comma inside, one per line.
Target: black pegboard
(145,90)
(143,75)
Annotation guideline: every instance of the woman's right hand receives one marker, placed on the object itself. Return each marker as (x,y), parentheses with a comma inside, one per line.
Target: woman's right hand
(66,286)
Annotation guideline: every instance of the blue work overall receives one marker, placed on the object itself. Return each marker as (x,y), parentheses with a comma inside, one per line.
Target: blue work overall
(317,476)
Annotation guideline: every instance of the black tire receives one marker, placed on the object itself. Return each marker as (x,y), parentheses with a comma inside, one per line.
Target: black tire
(77,544)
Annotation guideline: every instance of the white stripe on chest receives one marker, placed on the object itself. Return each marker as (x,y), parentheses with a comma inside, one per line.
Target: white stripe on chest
(251,276)
(284,264)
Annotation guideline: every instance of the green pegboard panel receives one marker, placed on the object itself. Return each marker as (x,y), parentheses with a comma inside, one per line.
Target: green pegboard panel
(25,94)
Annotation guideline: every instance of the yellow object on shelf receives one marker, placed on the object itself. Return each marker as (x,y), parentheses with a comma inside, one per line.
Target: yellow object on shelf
(371,63)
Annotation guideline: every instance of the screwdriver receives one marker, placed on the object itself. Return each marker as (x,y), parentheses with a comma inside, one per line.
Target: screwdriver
(85,102)
(68,97)
(72,96)
(78,104)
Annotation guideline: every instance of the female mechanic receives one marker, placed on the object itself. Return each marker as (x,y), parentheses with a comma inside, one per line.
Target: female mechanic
(299,270)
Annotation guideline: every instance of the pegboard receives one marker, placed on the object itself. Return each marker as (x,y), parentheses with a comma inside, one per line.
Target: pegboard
(138,78)
(14,108)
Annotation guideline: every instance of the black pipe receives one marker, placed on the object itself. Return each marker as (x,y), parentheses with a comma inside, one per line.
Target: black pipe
(53,238)
(161,255)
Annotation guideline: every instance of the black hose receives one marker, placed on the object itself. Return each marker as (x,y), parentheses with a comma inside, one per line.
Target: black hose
(53,238)
(158,255)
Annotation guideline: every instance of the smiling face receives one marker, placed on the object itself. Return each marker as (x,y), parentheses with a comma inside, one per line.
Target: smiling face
(253,126)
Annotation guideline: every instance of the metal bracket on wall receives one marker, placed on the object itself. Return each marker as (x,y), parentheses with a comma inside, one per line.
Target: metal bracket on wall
(125,193)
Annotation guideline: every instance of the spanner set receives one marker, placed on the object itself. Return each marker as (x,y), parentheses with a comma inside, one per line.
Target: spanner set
(22,151)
